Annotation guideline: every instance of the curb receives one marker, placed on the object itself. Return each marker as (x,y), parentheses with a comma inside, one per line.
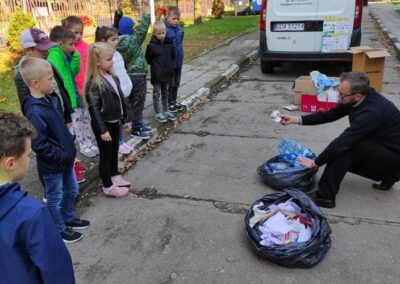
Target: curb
(189,102)
(388,35)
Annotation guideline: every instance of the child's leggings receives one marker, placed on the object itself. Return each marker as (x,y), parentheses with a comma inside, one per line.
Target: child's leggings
(108,163)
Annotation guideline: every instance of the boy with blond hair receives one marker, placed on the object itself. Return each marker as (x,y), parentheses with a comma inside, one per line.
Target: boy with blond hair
(159,55)
(31,248)
(54,148)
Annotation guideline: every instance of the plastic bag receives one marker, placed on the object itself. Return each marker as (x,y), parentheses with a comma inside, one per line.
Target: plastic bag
(290,150)
(296,254)
(321,81)
(300,177)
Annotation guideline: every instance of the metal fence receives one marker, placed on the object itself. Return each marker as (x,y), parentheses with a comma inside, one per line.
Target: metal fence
(49,13)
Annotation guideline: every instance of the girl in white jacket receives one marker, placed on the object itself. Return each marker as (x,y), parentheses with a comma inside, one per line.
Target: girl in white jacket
(110,36)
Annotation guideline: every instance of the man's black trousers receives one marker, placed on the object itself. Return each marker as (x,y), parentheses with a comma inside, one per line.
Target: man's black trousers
(367,159)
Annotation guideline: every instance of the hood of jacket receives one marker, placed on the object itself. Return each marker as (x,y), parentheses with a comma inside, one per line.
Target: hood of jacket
(10,196)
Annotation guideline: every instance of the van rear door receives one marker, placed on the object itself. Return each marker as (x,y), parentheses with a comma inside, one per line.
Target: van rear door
(290,25)
(344,10)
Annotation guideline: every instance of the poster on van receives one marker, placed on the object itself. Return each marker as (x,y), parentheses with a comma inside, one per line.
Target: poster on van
(335,34)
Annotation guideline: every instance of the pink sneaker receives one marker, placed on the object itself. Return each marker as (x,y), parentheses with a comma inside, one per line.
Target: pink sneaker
(119,181)
(129,147)
(116,191)
(123,150)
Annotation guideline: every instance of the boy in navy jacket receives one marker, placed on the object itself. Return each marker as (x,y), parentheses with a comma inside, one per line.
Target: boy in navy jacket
(54,147)
(31,250)
(175,33)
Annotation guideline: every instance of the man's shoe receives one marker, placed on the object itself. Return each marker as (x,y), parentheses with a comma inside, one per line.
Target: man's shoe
(70,236)
(172,108)
(384,185)
(326,203)
(140,134)
(179,107)
(78,224)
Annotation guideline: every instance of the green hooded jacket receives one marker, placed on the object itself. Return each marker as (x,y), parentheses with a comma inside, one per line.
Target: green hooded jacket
(130,47)
(57,58)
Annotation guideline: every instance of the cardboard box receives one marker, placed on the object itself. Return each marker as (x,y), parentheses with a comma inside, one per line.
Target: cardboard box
(371,61)
(310,103)
(305,85)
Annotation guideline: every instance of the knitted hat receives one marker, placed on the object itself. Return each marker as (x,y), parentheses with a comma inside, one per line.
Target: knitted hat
(126,26)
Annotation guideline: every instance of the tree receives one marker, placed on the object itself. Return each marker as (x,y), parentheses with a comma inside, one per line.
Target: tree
(217,9)
(197,12)
(19,22)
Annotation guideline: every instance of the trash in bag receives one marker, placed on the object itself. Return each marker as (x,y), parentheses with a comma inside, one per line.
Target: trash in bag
(289,229)
(283,171)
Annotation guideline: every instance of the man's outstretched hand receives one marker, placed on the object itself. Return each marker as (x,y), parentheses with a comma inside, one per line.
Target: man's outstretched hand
(308,163)
(289,119)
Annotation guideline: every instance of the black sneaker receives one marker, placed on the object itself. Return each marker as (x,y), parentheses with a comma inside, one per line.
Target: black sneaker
(172,108)
(179,107)
(140,134)
(147,128)
(78,224)
(70,236)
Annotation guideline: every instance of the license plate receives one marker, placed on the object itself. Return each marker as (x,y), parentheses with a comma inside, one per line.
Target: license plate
(288,27)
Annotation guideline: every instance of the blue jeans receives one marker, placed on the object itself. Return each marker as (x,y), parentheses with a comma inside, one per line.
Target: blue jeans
(61,190)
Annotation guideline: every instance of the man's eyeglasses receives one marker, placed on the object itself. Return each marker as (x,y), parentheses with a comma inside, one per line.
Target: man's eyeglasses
(346,95)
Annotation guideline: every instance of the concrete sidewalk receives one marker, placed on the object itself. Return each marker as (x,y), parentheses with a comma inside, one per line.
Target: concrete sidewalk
(387,16)
(200,77)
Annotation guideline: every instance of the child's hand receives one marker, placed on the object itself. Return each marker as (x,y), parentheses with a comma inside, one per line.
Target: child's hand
(106,136)
(126,127)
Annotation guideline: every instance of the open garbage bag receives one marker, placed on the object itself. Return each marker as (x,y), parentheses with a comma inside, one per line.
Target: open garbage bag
(283,172)
(304,253)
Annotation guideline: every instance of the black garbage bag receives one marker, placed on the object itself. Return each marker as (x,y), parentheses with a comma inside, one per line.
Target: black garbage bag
(302,179)
(296,254)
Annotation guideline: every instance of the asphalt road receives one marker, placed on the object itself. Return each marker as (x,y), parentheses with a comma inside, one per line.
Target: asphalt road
(184,224)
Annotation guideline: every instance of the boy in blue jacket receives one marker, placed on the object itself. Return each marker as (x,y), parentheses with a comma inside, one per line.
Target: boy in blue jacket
(31,250)
(175,33)
(54,147)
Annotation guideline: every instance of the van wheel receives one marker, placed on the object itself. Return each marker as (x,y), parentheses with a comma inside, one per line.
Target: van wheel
(267,66)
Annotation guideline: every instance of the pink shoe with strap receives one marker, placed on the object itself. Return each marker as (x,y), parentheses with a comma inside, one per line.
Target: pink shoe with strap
(119,181)
(116,191)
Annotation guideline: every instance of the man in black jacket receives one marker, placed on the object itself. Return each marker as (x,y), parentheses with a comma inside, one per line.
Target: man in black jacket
(369,147)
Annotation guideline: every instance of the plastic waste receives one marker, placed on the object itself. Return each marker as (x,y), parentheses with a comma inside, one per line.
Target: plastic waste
(283,171)
(294,254)
(321,81)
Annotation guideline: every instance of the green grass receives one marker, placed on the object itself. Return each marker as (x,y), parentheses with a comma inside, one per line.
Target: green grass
(198,39)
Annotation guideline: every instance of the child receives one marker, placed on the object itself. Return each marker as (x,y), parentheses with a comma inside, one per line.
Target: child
(110,36)
(75,25)
(67,62)
(107,109)
(175,33)
(36,44)
(54,148)
(31,248)
(118,14)
(159,54)
(129,45)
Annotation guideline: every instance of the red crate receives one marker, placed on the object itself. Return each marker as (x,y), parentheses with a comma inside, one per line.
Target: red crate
(310,103)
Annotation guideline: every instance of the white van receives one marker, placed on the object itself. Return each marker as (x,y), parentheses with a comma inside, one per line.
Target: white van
(308,30)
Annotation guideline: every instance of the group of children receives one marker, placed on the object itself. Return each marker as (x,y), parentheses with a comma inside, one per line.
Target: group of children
(69,91)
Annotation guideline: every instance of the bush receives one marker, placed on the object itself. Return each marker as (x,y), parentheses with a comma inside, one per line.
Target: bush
(20,21)
(217,9)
